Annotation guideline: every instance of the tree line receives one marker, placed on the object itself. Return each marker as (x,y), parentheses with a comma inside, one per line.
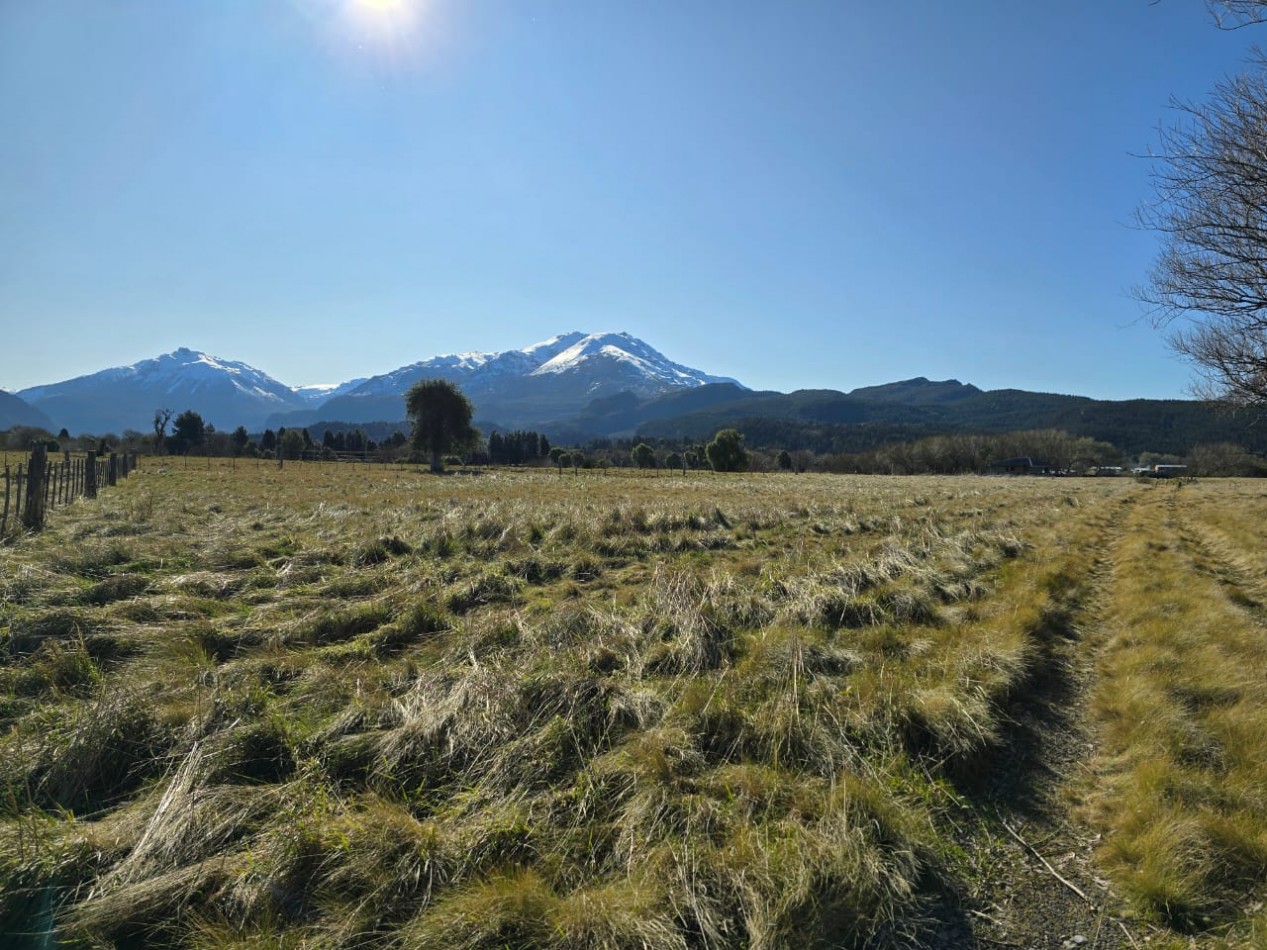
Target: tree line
(441,433)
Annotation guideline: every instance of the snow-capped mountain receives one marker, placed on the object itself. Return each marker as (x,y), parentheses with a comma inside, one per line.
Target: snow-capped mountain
(225,393)
(546,381)
(638,359)
(460,367)
(551,380)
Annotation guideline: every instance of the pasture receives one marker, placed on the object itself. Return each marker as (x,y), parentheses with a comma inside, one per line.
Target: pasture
(353,706)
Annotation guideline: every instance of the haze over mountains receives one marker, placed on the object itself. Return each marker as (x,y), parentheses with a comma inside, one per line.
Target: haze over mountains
(579,386)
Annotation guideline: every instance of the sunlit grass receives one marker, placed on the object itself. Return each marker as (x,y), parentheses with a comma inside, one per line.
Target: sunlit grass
(1184,708)
(360,706)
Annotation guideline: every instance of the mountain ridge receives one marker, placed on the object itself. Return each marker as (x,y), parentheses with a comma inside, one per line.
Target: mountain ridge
(553,378)
(545,379)
(16,411)
(577,387)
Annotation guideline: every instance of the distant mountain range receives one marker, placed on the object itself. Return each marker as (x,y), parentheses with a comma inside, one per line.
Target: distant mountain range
(17,412)
(540,384)
(580,386)
(550,380)
(829,421)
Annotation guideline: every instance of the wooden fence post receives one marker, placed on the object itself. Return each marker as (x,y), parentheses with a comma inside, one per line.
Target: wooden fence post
(112,472)
(17,494)
(90,476)
(36,485)
(4,519)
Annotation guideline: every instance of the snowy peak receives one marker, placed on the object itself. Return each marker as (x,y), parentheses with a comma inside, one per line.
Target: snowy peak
(224,392)
(567,353)
(549,380)
(631,355)
(186,369)
(548,349)
(181,370)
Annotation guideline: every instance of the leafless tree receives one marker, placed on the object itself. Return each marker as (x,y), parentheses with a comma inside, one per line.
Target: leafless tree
(161,418)
(1209,283)
(1234,14)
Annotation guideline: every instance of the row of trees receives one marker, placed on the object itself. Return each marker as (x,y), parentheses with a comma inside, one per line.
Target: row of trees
(441,419)
(190,433)
(931,455)
(517,448)
(441,426)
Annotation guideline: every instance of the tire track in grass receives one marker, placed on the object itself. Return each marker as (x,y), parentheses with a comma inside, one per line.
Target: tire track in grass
(1180,780)
(1031,879)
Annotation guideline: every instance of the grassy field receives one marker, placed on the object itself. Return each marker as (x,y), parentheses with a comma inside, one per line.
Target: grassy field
(339,706)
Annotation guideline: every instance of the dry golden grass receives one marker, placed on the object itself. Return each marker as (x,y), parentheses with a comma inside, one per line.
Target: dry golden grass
(338,706)
(1183,704)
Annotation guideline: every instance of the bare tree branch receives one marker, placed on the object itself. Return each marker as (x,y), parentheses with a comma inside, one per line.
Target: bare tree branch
(1209,283)
(1237,14)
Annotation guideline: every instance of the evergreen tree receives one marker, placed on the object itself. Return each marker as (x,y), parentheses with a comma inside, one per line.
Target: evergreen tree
(291,444)
(188,431)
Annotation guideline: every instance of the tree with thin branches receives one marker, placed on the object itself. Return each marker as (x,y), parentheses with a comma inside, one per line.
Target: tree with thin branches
(1208,286)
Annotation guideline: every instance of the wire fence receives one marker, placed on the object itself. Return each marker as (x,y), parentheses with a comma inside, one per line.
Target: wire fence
(40,484)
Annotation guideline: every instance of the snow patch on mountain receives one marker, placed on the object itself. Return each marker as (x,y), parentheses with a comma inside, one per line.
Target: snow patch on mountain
(316,393)
(632,354)
(183,370)
(635,362)
(224,392)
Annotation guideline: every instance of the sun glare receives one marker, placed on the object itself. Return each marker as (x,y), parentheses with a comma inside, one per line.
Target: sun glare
(389,25)
(382,7)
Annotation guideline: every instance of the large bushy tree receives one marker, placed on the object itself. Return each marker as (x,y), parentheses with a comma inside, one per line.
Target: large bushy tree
(726,452)
(441,419)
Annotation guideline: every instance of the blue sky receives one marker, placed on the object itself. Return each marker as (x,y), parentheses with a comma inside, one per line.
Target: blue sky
(807,194)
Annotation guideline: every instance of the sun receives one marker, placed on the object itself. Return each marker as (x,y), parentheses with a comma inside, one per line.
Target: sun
(383,7)
(385,23)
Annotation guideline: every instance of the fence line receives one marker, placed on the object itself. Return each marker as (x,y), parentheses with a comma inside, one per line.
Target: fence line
(41,485)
